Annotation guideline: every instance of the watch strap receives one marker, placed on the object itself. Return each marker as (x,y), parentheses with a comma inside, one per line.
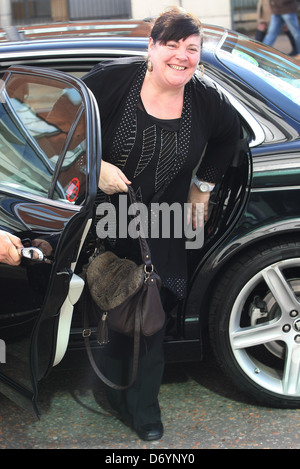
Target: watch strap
(198,183)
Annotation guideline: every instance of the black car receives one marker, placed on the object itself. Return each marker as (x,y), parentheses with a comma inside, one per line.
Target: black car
(244,282)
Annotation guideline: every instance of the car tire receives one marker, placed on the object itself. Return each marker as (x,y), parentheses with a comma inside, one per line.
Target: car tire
(254,323)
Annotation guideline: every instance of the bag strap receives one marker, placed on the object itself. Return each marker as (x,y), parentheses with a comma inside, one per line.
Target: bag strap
(145,250)
(86,333)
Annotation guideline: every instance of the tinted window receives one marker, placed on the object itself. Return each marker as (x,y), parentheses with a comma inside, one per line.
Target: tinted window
(42,138)
(279,77)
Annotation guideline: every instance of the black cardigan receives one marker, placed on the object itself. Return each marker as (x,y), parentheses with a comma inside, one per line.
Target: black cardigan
(214,127)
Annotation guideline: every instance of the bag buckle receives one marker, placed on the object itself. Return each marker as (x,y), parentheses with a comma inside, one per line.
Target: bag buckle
(86,333)
(148,271)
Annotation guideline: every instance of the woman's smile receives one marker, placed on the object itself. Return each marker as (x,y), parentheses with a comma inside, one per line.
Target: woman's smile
(177,67)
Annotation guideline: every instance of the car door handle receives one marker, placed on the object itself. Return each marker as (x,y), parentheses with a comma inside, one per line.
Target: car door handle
(34,254)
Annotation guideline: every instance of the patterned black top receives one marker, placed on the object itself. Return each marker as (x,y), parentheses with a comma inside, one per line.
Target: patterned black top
(151,146)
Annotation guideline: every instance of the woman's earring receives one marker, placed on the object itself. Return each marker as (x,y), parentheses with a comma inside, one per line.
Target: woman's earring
(200,68)
(149,65)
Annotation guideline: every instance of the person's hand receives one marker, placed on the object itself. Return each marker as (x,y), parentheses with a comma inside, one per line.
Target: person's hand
(112,179)
(197,212)
(10,248)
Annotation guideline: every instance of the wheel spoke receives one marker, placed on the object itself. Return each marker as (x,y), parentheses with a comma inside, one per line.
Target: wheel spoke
(264,331)
(256,335)
(291,376)
(280,289)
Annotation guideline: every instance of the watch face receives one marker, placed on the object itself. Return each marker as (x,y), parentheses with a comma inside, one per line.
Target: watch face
(204,187)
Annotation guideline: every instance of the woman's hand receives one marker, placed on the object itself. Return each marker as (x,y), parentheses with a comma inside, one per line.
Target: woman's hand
(112,179)
(198,212)
(10,248)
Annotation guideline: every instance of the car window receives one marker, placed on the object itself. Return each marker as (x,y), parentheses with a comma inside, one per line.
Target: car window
(279,76)
(42,138)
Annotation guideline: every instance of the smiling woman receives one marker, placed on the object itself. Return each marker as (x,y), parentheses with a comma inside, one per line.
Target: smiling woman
(156,124)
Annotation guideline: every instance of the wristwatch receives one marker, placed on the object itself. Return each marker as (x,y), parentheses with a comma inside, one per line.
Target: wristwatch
(202,185)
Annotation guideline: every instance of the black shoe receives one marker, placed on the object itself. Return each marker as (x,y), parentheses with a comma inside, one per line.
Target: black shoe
(150,431)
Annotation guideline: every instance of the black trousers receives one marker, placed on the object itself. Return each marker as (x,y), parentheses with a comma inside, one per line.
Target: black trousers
(137,405)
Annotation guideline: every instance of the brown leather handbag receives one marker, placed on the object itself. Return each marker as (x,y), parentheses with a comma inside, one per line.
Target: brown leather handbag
(127,299)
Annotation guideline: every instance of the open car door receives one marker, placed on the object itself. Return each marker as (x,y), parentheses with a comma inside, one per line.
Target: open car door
(49,167)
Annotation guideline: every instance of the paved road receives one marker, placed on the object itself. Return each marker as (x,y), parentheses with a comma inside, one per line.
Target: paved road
(200,410)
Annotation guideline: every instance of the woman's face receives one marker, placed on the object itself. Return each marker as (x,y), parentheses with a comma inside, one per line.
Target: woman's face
(174,63)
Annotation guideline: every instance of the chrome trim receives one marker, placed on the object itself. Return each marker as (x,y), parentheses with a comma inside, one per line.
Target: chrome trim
(57,52)
(273,189)
(282,162)
(73,27)
(221,42)
(36,198)
(240,108)
(253,123)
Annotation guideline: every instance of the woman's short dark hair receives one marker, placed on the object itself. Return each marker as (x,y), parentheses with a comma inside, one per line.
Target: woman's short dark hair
(175,24)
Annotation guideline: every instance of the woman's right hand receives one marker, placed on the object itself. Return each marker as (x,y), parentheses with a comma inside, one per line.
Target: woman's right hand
(112,179)
(10,248)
